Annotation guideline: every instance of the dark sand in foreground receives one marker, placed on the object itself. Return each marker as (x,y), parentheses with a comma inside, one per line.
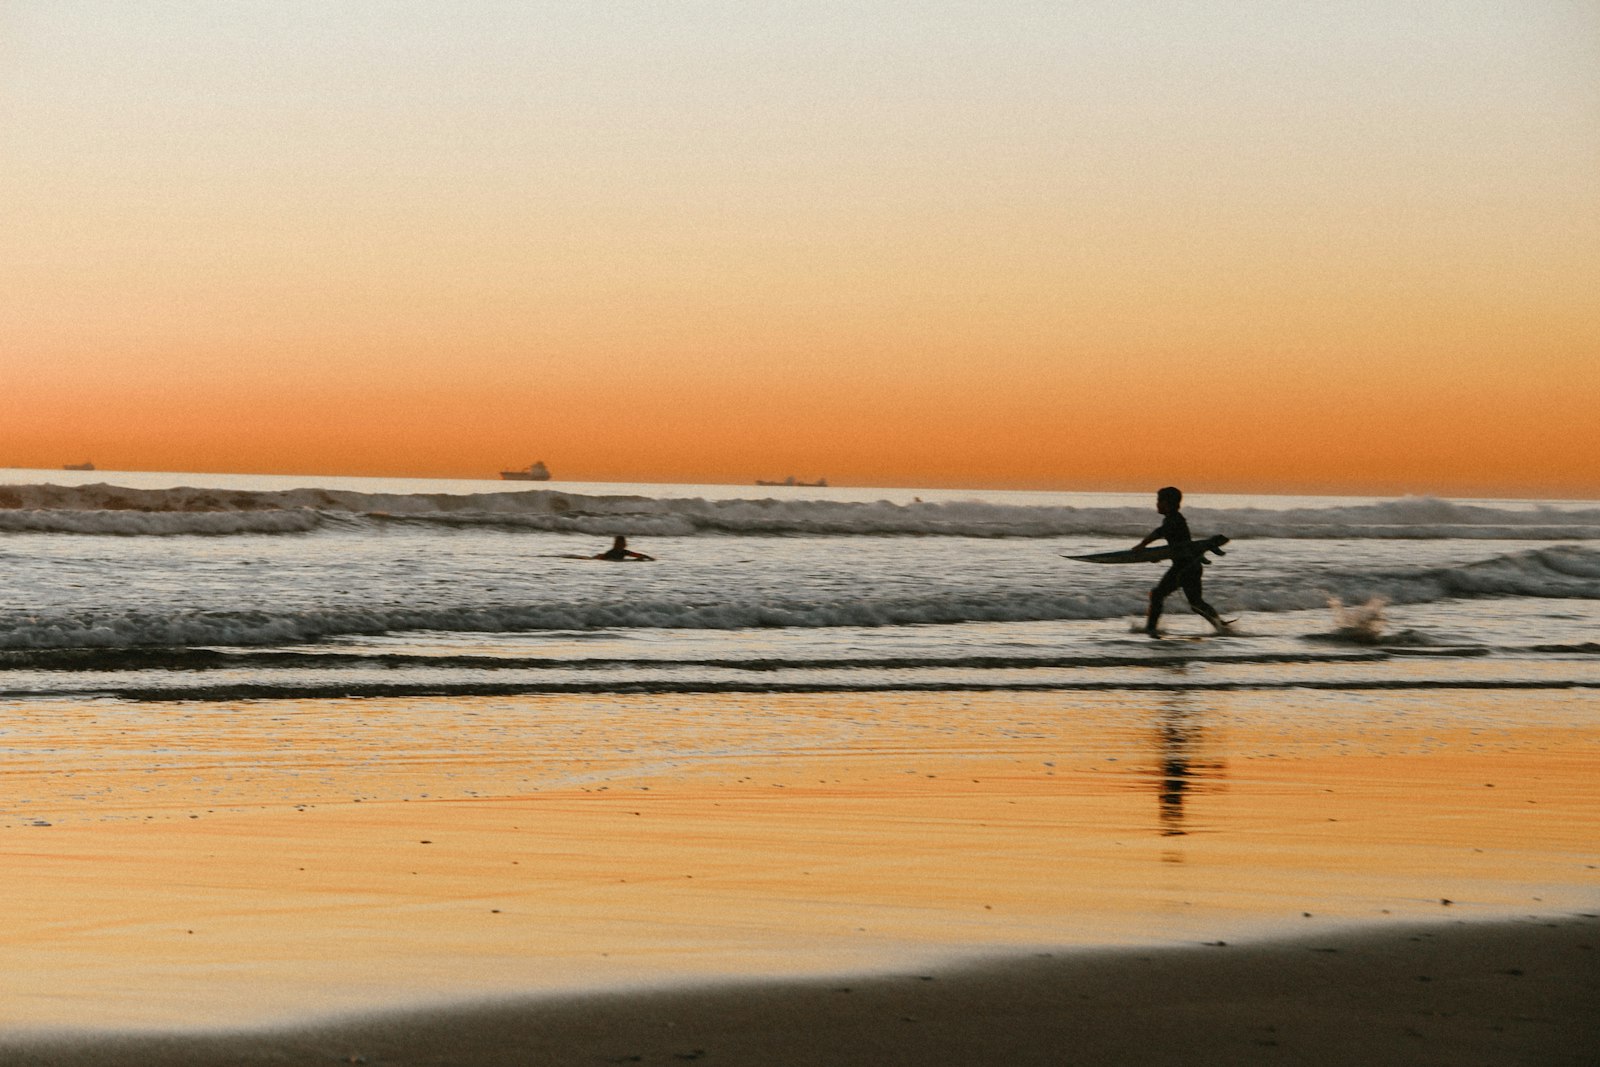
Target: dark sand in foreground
(1504,993)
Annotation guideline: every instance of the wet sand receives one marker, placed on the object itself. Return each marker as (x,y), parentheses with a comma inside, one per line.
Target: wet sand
(194,867)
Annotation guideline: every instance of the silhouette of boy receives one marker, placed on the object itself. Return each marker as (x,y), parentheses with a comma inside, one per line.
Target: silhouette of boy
(1186,570)
(620,551)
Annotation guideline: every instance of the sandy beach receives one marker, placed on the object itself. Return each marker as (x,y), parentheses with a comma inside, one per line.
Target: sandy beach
(1504,993)
(558,879)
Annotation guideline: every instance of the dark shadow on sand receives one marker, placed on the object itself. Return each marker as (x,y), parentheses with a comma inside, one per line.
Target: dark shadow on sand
(1452,993)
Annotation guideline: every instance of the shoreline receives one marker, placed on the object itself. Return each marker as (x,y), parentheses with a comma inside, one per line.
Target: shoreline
(1508,992)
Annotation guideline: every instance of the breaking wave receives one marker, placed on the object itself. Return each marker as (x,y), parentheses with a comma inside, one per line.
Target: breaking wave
(113,510)
(1566,571)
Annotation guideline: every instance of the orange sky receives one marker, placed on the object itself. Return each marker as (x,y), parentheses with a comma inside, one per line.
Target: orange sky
(1059,249)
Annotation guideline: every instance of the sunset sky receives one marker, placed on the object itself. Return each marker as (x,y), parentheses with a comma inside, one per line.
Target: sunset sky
(1351,246)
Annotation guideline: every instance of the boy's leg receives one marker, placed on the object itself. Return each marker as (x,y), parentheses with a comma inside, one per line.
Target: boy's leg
(1153,613)
(1192,590)
(1165,587)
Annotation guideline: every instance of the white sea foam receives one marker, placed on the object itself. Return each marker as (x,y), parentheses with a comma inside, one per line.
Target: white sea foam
(160,523)
(113,510)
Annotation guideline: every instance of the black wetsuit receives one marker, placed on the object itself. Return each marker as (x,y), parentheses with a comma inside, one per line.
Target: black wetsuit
(1174,531)
(1186,572)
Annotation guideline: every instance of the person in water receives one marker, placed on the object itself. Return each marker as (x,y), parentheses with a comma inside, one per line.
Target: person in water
(620,551)
(1187,565)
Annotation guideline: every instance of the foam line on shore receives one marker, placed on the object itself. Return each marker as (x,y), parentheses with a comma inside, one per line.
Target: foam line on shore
(204,659)
(338,690)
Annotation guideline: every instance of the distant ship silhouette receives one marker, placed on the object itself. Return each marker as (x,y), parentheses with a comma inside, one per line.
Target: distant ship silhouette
(820,482)
(534,472)
(84,466)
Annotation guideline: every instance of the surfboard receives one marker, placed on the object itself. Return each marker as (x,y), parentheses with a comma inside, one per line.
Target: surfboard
(1155,555)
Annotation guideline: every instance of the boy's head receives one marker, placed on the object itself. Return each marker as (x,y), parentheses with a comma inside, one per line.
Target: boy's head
(1168,499)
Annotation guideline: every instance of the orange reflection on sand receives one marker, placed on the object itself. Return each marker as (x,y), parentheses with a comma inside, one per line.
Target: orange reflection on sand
(276,859)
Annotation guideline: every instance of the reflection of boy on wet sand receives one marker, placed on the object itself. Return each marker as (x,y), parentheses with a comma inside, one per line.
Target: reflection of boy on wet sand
(1186,570)
(620,551)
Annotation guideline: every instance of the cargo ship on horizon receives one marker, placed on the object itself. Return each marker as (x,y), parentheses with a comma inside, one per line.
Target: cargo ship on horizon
(820,483)
(533,472)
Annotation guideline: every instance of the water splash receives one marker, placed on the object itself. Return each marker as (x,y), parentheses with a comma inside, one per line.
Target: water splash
(1362,624)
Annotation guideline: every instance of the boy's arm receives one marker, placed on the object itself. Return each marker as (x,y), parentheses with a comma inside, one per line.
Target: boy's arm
(1153,535)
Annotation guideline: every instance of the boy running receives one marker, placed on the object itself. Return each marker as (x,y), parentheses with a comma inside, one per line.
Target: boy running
(1185,572)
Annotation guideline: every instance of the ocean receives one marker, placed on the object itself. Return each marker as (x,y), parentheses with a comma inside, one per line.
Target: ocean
(277,748)
(137,586)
